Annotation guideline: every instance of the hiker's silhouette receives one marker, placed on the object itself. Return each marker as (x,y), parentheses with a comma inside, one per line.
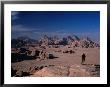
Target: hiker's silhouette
(83,58)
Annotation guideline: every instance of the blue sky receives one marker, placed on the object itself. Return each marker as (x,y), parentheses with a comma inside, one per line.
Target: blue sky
(35,24)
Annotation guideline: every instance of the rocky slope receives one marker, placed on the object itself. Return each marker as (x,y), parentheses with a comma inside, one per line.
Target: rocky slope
(61,71)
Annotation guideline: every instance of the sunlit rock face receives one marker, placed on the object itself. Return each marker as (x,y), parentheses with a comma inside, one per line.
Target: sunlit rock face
(62,71)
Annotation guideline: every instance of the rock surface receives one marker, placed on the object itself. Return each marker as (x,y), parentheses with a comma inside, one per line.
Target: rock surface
(64,71)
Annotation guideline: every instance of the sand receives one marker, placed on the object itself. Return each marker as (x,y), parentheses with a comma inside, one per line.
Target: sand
(62,59)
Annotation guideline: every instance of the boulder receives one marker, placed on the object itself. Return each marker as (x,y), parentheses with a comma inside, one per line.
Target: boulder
(52,71)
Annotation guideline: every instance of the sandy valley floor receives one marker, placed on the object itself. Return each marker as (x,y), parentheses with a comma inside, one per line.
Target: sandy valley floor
(62,59)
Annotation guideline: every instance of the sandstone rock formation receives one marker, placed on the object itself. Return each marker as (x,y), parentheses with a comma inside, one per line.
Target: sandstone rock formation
(64,71)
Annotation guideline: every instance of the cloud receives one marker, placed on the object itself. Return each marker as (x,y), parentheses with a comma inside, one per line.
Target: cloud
(60,31)
(15,15)
(20,30)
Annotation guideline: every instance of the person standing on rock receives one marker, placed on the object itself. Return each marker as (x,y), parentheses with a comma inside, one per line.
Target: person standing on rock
(83,58)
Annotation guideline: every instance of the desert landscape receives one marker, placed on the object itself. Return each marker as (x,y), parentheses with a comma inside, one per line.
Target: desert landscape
(55,44)
(55,57)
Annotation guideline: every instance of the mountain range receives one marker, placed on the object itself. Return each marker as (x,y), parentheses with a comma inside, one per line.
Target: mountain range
(55,40)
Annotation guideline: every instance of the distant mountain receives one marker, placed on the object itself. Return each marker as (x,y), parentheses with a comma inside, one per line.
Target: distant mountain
(68,40)
(64,41)
(75,37)
(87,42)
(49,40)
(15,43)
(74,40)
(27,39)
(21,41)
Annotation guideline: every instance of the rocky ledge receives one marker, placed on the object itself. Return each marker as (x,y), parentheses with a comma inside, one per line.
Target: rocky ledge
(86,70)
